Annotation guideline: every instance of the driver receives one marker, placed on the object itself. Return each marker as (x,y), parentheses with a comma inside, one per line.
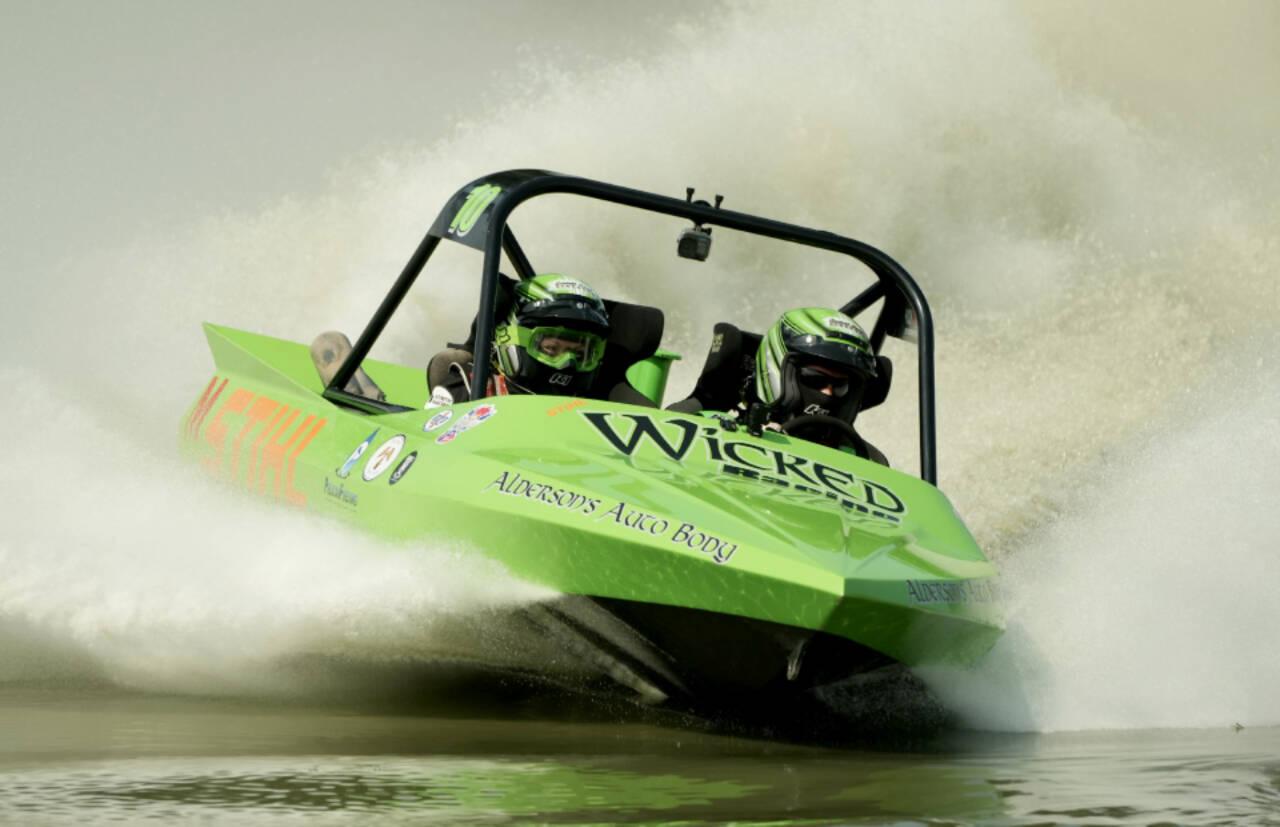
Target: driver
(551,341)
(813,365)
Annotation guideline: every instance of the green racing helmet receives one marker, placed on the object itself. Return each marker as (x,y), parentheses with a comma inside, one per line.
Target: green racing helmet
(814,360)
(553,339)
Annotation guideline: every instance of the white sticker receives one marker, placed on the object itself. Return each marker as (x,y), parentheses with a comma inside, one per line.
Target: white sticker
(573,286)
(383,457)
(847,326)
(440,397)
(476,415)
(437,420)
(467,421)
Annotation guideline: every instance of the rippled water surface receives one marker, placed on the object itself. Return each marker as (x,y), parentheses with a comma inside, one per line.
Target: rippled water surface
(99,756)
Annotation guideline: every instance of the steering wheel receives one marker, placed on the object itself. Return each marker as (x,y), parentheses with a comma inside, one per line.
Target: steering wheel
(844,431)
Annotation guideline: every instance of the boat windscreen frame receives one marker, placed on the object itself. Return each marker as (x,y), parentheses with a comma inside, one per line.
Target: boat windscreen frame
(476,216)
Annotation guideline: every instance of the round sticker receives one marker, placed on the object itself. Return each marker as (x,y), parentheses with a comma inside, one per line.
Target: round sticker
(383,457)
(438,420)
(403,467)
(475,416)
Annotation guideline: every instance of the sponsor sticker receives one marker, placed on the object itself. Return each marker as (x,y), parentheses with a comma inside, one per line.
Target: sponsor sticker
(383,457)
(356,454)
(437,420)
(440,396)
(468,421)
(477,415)
(403,467)
(573,286)
(847,326)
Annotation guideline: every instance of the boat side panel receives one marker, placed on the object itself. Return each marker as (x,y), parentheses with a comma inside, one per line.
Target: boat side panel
(536,484)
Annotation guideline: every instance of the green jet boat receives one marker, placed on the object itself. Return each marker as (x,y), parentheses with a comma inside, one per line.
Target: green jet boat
(699,558)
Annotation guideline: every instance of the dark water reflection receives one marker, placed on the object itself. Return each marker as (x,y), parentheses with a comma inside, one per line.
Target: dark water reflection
(101,756)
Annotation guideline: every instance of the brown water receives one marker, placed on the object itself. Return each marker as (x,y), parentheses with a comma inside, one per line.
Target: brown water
(71,756)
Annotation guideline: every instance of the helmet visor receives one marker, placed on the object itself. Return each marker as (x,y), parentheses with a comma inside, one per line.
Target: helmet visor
(560,347)
(831,382)
(833,353)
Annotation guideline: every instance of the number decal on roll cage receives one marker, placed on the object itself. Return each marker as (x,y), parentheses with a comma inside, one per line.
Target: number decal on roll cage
(478,200)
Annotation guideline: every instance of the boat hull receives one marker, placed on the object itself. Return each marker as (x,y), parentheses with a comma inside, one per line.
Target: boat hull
(729,563)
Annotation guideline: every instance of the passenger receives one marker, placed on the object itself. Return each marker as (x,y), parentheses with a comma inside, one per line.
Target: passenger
(551,341)
(816,362)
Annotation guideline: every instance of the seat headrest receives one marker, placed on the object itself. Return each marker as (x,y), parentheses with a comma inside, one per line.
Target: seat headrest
(634,329)
(731,350)
(726,345)
(726,373)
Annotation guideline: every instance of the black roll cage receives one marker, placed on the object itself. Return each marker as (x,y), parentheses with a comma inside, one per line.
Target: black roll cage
(476,216)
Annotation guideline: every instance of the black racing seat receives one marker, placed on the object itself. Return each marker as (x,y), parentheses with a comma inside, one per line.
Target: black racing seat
(728,374)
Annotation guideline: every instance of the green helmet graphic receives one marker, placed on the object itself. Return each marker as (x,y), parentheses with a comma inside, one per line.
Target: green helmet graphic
(814,360)
(554,337)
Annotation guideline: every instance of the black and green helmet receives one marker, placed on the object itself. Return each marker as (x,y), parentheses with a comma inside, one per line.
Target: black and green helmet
(814,360)
(553,339)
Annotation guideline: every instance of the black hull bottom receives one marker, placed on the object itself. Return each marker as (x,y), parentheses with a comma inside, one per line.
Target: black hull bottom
(693,657)
(748,677)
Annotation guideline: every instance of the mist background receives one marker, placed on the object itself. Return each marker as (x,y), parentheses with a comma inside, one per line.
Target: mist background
(1087,195)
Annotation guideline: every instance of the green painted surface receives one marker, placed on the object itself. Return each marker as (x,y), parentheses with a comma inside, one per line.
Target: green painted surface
(649,376)
(609,500)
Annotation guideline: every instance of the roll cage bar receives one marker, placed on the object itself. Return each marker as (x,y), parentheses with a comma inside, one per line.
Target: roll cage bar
(476,216)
